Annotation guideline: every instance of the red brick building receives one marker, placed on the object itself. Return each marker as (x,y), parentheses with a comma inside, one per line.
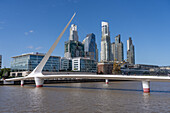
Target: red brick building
(105,67)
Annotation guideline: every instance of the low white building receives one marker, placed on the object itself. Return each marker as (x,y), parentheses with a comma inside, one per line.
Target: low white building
(65,64)
(84,65)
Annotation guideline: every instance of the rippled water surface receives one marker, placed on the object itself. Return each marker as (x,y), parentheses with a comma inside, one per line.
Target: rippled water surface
(94,97)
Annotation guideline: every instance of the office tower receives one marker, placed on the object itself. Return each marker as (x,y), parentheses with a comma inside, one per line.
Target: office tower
(96,53)
(73,48)
(117,49)
(90,46)
(0,61)
(73,33)
(105,42)
(130,52)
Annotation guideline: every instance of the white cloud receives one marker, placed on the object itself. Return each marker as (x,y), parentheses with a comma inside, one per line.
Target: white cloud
(35,48)
(29,32)
(38,48)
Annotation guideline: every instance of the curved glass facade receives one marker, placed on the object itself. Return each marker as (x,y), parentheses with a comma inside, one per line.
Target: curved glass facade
(28,62)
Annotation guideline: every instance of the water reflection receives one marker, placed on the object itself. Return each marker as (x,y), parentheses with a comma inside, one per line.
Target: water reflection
(146,97)
(85,97)
(35,96)
(95,88)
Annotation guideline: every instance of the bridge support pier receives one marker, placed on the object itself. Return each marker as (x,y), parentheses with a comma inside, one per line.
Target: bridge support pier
(146,86)
(106,81)
(39,82)
(22,82)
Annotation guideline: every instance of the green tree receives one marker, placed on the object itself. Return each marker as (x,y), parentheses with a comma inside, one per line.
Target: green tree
(5,72)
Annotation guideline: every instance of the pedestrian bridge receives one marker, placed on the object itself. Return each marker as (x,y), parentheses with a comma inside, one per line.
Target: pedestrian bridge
(37,75)
(39,79)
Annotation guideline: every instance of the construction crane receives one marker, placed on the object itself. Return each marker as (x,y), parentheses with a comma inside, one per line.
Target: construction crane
(117,66)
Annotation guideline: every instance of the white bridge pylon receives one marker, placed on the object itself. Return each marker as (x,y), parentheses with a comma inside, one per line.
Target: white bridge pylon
(37,72)
(37,75)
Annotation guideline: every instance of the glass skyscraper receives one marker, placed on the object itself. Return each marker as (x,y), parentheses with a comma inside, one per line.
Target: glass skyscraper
(90,46)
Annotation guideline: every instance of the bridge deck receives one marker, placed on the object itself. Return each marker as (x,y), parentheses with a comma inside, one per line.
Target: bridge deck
(115,77)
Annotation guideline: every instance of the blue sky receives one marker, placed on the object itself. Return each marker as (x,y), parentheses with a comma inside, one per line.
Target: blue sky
(33,25)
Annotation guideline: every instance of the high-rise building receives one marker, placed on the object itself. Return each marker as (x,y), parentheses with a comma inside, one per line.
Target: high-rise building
(90,46)
(105,42)
(130,52)
(117,50)
(96,53)
(0,61)
(73,33)
(73,48)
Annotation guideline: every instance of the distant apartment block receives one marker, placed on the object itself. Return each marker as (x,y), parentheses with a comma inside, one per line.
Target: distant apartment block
(23,64)
(117,50)
(84,65)
(130,52)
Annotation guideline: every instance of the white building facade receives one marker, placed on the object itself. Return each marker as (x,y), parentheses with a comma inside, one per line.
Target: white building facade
(105,42)
(84,65)
(65,64)
(73,33)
